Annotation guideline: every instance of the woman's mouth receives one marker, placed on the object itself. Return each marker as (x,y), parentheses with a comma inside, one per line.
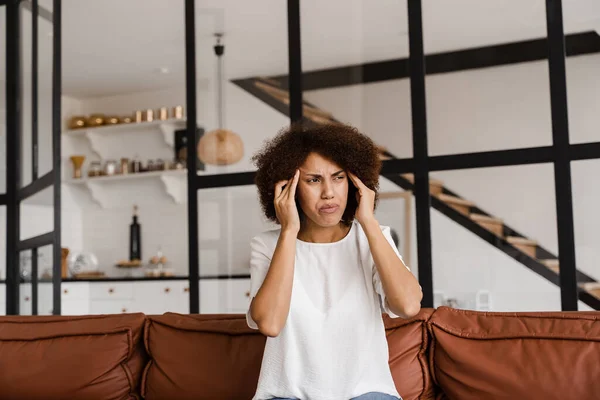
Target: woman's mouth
(329,209)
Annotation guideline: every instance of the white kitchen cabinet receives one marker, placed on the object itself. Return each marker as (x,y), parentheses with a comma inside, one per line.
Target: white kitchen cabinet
(74,299)
(2,299)
(111,306)
(25,299)
(111,290)
(155,298)
(217,296)
(238,295)
(224,296)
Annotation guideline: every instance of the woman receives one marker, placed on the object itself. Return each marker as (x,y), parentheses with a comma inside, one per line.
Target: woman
(320,283)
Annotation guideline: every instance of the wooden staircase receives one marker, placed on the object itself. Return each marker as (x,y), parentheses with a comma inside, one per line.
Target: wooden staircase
(466,213)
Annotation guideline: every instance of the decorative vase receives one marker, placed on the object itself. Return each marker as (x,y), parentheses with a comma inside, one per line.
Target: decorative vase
(77,164)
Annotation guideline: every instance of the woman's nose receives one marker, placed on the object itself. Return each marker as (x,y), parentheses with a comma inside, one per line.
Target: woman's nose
(327,191)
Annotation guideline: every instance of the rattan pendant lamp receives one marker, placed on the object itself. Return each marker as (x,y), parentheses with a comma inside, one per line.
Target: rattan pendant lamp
(220,146)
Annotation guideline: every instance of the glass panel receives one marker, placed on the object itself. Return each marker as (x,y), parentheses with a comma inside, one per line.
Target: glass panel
(491,229)
(396,209)
(45,299)
(228,220)
(145,85)
(374,98)
(142,70)
(483,109)
(37,214)
(586,197)
(2,108)
(26,99)
(583,90)
(583,82)
(45,49)
(44,262)
(2,250)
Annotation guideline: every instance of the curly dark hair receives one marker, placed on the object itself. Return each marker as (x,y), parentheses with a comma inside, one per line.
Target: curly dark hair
(346,146)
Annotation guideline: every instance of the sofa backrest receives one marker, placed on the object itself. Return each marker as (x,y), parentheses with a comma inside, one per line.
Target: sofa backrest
(475,355)
(201,357)
(439,354)
(408,343)
(89,357)
(219,357)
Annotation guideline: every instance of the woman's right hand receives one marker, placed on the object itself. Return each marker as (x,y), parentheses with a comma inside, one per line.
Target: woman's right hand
(285,204)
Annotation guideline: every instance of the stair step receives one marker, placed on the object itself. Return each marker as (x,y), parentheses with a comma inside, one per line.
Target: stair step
(592,287)
(494,225)
(308,111)
(279,94)
(435,185)
(318,119)
(270,81)
(382,155)
(315,114)
(527,246)
(551,264)
(461,205)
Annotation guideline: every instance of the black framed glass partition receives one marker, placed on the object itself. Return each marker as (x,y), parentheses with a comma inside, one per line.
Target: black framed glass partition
(3,165)
(33,156)
(487,109)
(478,141)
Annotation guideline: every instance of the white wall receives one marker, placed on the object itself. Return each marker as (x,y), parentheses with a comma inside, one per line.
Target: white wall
(482,110)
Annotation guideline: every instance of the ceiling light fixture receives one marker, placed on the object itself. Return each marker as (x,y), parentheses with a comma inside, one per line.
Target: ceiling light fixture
(220,146)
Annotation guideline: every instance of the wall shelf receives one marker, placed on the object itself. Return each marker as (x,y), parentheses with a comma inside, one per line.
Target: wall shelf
(102,147)
(102,189)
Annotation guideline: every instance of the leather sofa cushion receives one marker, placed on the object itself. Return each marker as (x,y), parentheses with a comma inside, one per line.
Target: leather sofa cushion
(408,342)
(87,357)
(201,357)
(477,355)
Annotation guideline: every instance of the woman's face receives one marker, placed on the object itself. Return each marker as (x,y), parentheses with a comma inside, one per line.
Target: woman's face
(322,190)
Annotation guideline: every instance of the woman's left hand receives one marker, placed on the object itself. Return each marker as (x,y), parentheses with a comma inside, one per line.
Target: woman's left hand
(366,201)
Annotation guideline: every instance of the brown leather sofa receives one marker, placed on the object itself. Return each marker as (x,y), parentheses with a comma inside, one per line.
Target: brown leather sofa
(441,354)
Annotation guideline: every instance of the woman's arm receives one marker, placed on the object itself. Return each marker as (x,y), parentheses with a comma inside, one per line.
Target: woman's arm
(271,305)
(402,291)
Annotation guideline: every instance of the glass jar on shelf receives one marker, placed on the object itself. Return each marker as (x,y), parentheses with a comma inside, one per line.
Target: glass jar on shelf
(95,169)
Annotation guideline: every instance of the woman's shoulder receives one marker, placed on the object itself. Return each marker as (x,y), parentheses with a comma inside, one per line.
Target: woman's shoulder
(361,232)
(267,238)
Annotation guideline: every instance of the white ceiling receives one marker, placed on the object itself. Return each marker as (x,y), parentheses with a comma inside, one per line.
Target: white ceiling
(117,46)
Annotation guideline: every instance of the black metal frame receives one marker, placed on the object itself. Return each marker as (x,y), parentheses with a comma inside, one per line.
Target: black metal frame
(420,152)
(561,153)
(295,60)
(560,147)
(13,149)
(445,62)
(15,193)
(192,186)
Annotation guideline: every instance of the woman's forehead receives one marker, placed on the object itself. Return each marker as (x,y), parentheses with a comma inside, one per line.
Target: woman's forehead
(316,163)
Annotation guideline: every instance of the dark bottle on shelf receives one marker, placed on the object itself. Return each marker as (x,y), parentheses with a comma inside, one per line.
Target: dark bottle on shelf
(135,238)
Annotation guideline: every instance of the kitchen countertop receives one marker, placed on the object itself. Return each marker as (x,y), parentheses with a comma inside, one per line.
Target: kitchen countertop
(142,278)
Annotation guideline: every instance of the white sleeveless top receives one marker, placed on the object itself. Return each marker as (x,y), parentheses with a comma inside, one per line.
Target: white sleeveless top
(333,345)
